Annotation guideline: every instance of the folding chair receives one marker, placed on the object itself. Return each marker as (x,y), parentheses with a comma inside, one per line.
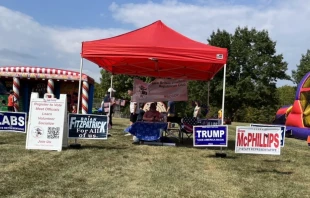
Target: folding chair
(174,126)
(187,127)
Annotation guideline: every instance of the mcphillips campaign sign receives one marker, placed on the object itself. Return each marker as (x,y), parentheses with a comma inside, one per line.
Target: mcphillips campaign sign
(210,135)
(12,122)
(258,140)
(84,126)
(283,130)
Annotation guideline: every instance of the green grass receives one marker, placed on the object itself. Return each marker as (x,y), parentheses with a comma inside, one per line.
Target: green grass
(116,168)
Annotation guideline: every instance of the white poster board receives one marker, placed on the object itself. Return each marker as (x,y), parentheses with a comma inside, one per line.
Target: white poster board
(47,117)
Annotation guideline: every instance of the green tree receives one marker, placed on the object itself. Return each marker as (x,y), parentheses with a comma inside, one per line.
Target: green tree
(253,69)
(99,92)
(302,69)
(286,95)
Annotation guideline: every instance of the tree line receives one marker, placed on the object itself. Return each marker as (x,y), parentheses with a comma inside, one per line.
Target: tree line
(253,70)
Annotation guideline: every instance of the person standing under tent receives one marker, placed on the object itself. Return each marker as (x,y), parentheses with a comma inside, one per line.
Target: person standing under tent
(134,108)
(170,111)
(197,110)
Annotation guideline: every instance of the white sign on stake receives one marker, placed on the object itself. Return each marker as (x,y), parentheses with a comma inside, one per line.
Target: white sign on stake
(46,123)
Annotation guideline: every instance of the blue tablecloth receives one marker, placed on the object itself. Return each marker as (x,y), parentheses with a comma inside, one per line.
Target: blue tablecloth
(147,131)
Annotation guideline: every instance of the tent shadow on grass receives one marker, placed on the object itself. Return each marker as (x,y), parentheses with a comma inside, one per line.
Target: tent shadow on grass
(188,142)
(99,147)
(227,157)
(277,161)
(275,171)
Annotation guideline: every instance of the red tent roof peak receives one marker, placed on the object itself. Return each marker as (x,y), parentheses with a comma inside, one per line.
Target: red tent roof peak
(156,34)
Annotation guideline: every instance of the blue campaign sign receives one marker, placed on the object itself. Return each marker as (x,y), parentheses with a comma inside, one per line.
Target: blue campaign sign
(88,126)
(12,122)
(283,129)
(210,135)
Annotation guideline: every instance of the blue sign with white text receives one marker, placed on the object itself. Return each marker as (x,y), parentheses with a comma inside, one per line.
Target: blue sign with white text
(283,129)
(86,126)
(210,135)
(12,122)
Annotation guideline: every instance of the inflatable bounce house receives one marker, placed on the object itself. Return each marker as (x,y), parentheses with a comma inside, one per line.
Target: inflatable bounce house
(296,117)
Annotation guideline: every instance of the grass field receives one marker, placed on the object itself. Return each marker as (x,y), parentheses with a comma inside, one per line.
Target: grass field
(117,168)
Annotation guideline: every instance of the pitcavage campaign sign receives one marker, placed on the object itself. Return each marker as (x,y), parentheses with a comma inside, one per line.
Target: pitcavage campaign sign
(258,140)
(86,126)
(283,129)
(13,122)
(210,135)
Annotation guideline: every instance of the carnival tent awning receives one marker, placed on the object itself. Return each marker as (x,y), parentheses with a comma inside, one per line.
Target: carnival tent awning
(157,51)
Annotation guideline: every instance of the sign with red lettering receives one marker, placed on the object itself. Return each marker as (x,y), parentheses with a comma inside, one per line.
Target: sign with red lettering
(46,123)
(258,140)
(283,130)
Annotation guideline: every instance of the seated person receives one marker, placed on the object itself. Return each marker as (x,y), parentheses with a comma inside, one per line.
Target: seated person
(152,114)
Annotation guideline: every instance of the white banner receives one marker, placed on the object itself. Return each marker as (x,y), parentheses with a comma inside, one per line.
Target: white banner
(160,90)
(258,140)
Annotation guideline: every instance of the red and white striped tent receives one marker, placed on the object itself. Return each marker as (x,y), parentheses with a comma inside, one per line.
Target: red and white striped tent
(22,73)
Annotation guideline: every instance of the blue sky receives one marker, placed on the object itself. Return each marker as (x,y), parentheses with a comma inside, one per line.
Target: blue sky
(68,13)
(81,14)
(49,33)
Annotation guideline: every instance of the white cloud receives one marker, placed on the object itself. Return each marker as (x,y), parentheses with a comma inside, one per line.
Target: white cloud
(286,21)
(26,42)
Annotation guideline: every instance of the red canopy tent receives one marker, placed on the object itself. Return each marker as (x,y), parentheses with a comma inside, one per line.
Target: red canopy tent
(157,51)
(175,55)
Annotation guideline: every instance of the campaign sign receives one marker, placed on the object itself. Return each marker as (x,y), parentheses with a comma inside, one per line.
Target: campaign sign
(13,122)
(258,140)
(87,126)
(211,121)
(46,122)
(210,135)
(283,129)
